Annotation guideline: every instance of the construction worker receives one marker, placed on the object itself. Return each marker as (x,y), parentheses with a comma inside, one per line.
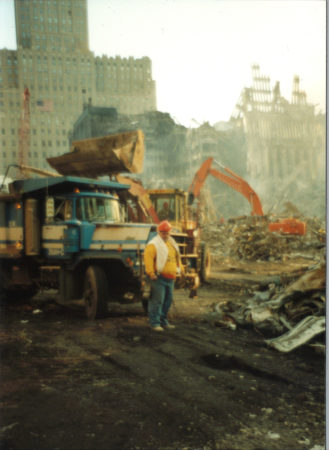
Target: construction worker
(166,213)
(162,264)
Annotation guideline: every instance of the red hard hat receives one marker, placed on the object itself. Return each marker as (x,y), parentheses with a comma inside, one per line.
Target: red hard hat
(164,226)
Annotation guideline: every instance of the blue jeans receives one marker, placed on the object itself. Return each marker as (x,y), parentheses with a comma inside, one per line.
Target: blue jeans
(160,301)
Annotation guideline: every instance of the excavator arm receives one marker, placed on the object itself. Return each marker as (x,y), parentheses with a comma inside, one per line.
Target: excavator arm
(137,191)
(232,179)
(241,186)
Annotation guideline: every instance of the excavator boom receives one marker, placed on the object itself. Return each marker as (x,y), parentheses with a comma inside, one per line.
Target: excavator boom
(233,180)
(243,187)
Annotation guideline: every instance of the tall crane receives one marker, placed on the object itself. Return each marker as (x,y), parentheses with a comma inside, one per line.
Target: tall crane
(24,132)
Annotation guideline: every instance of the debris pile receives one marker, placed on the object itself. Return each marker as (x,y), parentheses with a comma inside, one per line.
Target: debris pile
(316,230)
(255,242)
(290,316)
(248,238)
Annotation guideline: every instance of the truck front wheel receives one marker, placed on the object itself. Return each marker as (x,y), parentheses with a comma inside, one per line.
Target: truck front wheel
(95,292)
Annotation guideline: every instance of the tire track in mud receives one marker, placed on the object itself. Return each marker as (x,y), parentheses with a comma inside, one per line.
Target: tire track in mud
(171,359)
(190,352)
(150,386)
(213,399)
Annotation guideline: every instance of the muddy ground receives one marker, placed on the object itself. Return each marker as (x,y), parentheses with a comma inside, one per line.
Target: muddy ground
(67,383)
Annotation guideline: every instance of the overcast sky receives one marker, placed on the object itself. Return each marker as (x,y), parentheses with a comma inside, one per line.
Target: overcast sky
(202,50)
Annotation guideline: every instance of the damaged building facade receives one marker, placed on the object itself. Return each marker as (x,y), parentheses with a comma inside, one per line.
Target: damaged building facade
(284,145)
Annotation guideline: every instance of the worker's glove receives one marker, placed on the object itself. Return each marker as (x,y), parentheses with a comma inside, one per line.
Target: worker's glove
(178,272)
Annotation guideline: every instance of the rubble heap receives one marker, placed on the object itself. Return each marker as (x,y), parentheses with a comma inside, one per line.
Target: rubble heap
(255,242)
(248,238)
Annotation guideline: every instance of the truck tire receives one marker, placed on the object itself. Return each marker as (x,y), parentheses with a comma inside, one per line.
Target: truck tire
(205,262)
(95,292)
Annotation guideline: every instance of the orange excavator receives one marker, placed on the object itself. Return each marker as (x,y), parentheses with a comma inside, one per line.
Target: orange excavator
(232,179)
(284,226)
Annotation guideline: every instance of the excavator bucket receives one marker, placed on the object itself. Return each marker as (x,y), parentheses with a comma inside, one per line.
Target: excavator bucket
(106,155)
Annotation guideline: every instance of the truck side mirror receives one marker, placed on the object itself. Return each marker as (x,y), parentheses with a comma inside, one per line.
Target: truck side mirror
(49,209)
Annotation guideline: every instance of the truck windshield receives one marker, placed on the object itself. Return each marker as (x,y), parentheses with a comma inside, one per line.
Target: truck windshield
(98,209)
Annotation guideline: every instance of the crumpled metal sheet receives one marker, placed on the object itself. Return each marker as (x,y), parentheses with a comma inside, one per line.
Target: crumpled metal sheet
(313,280)
(303,332)
(292,309)
(107,155)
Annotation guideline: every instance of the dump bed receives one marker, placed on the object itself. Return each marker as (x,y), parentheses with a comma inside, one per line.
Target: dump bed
(123,152)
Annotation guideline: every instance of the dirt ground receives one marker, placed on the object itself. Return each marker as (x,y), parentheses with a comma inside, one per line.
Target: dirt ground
(67,383)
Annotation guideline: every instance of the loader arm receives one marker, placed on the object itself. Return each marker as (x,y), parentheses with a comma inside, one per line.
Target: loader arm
(137,190)
(233,180)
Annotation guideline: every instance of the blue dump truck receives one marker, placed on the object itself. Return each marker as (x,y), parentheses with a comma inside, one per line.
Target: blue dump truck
(70,233)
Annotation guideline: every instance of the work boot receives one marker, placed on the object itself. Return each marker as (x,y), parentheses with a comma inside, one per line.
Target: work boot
(157,328)
(168,326)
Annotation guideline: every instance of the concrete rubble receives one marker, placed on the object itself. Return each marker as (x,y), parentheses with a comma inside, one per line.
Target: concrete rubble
(248,238)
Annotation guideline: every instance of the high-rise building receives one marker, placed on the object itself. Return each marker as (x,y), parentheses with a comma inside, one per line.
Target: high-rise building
(54,62)
(52,25)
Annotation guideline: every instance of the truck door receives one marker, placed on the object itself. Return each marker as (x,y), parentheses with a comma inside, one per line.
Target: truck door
(61,236)
(87,228)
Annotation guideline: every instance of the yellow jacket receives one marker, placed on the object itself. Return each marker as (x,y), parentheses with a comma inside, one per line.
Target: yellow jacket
(170,268)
